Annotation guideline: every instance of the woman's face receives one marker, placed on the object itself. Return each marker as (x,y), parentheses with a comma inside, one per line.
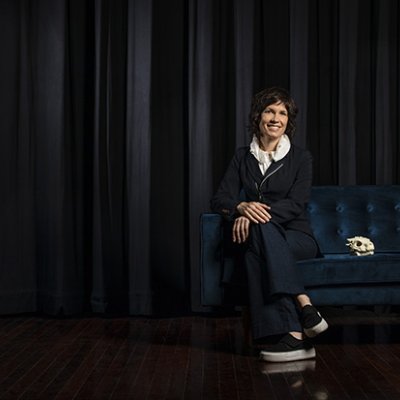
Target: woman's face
(273,121)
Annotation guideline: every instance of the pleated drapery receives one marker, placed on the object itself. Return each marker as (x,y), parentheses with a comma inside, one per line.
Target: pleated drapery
(118,119)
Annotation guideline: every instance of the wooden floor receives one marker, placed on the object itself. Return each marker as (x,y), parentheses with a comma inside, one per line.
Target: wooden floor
(193,357)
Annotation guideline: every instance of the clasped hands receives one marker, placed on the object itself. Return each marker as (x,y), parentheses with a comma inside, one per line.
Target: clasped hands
(252,211)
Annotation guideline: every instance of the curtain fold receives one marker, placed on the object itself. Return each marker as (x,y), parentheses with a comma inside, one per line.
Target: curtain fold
(17,200)
(347,72)
(200,152)
(138,156)
(60,274)
(118,119)
(110,31)
(387,78)
(244,53)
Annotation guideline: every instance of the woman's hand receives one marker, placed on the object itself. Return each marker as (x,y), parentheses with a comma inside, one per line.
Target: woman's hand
(240,230)
(256,212)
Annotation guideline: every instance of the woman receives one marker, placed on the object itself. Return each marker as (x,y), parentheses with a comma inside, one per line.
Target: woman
(274,177)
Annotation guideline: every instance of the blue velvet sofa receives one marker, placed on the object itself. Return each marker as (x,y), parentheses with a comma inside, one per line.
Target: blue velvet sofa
(337,278)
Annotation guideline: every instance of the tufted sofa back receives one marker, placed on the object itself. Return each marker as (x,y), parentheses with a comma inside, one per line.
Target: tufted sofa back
(339,212)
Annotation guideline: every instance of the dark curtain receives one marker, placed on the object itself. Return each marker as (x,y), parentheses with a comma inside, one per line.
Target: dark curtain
(118,119)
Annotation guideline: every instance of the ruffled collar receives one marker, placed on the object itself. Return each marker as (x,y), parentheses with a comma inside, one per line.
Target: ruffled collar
(264,157)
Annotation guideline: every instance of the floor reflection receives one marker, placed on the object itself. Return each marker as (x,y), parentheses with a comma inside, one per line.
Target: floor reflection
(361,327)
(282,367)
(294,374)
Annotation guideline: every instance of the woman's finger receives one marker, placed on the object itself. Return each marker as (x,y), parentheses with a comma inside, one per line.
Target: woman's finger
(240,230)
(259,214)
(245,229)
(234,234)
(255,211)
(236,231)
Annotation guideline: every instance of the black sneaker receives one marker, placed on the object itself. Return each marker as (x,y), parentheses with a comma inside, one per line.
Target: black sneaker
(312,321)
(288,349)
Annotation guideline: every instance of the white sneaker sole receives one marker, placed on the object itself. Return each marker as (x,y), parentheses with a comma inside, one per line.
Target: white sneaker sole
(317,329)
(287,355)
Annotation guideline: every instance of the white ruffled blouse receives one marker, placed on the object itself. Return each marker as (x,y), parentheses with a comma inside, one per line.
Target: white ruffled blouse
(265,158)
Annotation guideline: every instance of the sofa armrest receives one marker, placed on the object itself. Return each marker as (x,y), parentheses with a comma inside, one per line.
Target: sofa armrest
(211,259)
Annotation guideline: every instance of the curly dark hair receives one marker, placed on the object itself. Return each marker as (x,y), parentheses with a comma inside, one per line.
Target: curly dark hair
(266,97)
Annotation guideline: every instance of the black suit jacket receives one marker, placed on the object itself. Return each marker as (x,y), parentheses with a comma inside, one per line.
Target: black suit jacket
(285,187)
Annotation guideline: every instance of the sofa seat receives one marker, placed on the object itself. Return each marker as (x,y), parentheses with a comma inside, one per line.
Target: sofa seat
(345,269)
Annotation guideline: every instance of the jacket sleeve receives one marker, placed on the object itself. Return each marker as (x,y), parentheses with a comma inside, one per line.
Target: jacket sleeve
(294,204)
(227,197)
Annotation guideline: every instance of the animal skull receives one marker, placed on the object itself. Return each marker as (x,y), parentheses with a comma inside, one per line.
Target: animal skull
(360,246)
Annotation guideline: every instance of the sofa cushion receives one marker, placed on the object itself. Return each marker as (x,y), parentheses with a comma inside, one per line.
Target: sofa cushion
(345,269)
(339,212)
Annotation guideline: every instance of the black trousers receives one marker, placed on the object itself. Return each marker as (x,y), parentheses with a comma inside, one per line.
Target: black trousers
(273,278)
